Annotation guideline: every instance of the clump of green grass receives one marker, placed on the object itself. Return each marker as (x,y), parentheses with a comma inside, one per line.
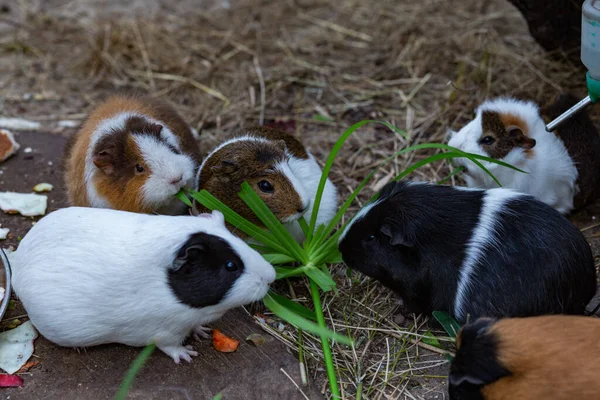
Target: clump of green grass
(311,259)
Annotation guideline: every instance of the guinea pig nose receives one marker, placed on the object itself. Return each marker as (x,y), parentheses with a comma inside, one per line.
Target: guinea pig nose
(177,180)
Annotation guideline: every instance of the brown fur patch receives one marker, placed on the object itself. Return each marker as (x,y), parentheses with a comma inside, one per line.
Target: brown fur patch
(550,357)
(293,145)
(123,188)
(508,132)
(225,171)
(77,146)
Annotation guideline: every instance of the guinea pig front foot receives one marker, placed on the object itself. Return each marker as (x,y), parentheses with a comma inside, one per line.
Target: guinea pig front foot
(178,353)
(201,332)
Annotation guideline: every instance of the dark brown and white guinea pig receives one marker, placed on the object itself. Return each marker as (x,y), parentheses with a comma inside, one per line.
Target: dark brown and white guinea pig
(89,276)
(548,357)
(279,168)
(131,154)
(562,168)
(469,252)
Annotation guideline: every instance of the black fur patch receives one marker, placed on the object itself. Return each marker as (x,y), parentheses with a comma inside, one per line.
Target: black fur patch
(414,241)
(432,225)
(198,276)
(476,363)
(581,138)
(542,265)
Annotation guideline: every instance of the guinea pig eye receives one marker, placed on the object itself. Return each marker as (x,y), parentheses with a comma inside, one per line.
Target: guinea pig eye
(488,140)
(230,266)
(265,186)
(370,238)
(139,169)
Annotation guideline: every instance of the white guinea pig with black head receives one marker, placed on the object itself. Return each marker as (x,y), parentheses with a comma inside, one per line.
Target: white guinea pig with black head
(90,276)
(493,253)
(278,167)
(562,167)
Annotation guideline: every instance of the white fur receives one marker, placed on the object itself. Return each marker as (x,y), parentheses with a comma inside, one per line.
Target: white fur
(484,236)
(166,166)
(308,175)
(88,276)
(359,215)
(304,175)
(551,173)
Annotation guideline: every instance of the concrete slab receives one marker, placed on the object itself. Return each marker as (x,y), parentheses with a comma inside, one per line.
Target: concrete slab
(96,373)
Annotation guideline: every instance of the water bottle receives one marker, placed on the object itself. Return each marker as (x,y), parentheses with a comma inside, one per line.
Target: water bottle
(590,57)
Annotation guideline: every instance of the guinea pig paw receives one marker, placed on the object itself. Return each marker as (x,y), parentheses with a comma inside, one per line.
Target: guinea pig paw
(178,353)
(201,332)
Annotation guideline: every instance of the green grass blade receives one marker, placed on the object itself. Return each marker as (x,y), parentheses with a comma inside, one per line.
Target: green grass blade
(329,163)
(212,203)
(323,280)
(283,272)
(293,306)
(133,371)
(277,259)
(450,175)
(304,226)
(303,323)
(181,195)
(260,209)
(448,323)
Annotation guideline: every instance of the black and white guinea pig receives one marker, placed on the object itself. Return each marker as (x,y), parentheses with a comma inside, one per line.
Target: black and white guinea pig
(279,168)
(562,167)
(468,252)
(88,276)
(547,357)
(133,154)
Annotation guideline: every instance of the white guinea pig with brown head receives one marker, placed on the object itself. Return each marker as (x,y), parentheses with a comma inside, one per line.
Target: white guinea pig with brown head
(89,276)
(561,168)
(278,167)
(132,154)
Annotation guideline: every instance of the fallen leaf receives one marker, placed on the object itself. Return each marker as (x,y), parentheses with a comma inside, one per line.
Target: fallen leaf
(16,347)
(8,144)
(28,366)
(27,204)
(43,187)
(10,381)
(257,339)
(223,343)
(19,124)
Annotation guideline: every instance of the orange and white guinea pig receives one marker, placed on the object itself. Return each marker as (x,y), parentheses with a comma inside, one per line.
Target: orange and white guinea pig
(133,154)
(546,357)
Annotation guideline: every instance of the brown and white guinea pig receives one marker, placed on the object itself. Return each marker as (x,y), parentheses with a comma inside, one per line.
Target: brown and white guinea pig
(279,168)
(472,253)
(132,154)
(548,357)
(562,168)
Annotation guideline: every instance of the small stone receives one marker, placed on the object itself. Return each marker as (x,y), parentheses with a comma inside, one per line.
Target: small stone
(4,233)
(28,150)
(8,144)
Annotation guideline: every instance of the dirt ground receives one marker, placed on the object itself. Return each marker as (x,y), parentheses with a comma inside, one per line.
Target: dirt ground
(312,67)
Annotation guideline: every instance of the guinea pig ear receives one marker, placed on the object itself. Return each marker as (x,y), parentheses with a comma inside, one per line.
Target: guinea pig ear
(280,144)
(154,129)
(104,161)
(188,253)
(522,140)
(218,216)
(226,167)
(396,235)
